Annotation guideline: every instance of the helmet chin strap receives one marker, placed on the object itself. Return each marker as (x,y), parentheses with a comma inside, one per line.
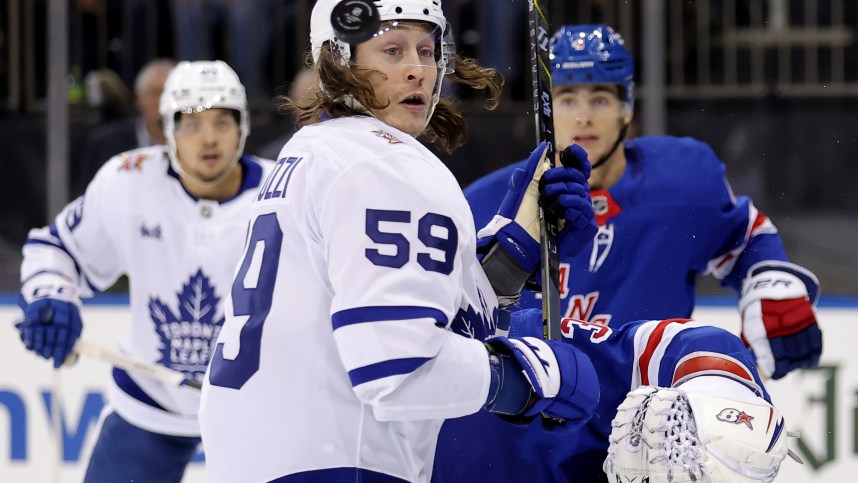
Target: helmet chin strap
(617,143)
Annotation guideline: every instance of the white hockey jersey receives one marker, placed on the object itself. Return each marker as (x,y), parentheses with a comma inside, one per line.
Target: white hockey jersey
(179,254)
(334,360)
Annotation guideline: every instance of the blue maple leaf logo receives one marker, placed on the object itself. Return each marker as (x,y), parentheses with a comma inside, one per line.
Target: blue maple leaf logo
(476,324)
(187,336)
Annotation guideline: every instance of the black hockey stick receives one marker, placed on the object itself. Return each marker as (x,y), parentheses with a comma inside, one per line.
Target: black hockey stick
(542,110)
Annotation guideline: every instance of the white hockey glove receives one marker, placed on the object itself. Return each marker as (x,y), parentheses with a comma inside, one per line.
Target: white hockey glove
(687,434)
(778,320)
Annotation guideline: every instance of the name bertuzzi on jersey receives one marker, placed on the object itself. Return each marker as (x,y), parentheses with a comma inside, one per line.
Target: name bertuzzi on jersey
(187,335)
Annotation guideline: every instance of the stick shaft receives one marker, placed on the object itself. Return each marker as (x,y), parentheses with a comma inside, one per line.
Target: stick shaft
(542,109)
(132,364)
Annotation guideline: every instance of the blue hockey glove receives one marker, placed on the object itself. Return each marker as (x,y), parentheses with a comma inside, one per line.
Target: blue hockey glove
(569,194)
(50,328)
(515,229)
(559,381)
(778,320)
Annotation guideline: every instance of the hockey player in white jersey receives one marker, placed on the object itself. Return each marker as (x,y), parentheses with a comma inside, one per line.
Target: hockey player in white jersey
(336,361)
(172,219)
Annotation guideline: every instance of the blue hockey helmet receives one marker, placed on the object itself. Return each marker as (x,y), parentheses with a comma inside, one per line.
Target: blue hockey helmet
(592,54)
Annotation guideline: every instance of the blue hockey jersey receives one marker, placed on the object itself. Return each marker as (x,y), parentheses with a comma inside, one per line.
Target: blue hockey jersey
(670,217)
(483,447)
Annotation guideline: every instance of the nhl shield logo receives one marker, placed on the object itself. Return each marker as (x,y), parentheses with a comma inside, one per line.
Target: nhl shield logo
(600,204)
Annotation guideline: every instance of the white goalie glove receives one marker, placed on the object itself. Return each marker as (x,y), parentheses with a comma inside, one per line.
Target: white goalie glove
(690,434)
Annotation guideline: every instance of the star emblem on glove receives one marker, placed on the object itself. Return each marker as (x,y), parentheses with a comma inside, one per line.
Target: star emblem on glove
(735,416)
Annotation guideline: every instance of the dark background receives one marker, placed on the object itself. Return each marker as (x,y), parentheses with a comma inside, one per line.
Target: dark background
(788,141)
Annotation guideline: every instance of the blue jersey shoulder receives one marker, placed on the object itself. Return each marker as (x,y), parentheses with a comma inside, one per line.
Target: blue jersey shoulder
(676,152)
(683,169)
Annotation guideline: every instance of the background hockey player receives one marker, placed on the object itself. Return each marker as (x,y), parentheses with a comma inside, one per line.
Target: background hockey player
(666,214)
(335,362)
(172,219)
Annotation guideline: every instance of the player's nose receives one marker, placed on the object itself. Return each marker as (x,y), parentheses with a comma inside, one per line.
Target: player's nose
(208,134)
(414,70)
(582,116)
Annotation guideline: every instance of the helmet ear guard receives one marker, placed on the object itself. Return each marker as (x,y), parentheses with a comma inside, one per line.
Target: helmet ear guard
(194,87)
(592,54)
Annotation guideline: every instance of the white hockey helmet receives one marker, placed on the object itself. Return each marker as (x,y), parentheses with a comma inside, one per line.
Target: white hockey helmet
(321,31)
(194,87)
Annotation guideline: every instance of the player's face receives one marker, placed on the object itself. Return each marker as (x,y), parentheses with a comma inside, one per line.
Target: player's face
(590,115)
(404,58)
(207,142)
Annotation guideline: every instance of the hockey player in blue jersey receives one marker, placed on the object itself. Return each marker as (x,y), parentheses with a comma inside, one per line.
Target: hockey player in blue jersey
(665,214)
(679,401)
(339,358)
(172,219)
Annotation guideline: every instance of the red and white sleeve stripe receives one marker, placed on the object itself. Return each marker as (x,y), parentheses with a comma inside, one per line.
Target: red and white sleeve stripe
(758,224)
(651,342)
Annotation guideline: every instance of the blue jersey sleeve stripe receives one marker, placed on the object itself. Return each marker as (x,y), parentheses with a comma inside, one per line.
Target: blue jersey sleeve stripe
(384,369)
(362,315)
(59,245)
